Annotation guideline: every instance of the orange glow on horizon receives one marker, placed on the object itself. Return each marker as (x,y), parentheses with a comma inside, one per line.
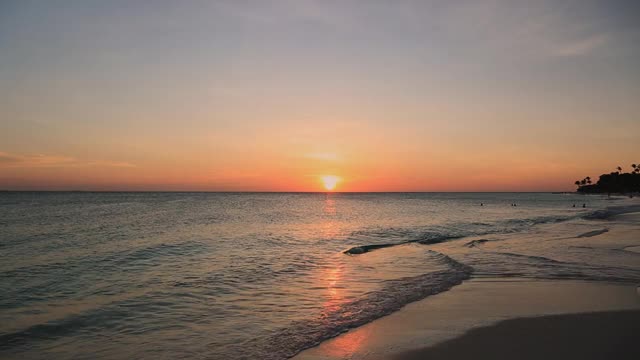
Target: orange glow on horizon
(358,169)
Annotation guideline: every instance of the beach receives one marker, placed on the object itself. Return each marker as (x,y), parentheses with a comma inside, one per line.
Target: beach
(511,317)
(319,180)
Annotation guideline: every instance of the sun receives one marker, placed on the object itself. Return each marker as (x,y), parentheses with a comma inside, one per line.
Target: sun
(330,181)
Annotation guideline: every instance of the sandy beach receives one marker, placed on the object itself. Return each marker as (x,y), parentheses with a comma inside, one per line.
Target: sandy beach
(602,335)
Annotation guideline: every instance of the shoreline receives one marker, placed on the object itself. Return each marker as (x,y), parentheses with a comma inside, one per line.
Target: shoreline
(476,303)
(484,302)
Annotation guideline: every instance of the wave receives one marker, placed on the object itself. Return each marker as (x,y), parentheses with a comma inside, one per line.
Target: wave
(56,329)
(474,243)
(593,233)
(71,274)
(357,250)
(506,264)
(438,234)
(611,211)
(279,344)
(395,294)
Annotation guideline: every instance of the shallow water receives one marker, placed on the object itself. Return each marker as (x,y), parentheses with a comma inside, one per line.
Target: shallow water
(247,276)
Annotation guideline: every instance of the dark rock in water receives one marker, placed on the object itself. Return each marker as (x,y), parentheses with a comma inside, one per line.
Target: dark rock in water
(355,251)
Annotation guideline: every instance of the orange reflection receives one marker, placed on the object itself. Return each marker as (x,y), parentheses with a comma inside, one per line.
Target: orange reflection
(334,296)
(348,344)
(329,206)
(330,229)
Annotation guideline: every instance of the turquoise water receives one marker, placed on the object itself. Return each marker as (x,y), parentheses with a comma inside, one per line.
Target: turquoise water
(246,276)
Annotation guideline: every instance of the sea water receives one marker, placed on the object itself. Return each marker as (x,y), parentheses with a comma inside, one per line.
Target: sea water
(257,275)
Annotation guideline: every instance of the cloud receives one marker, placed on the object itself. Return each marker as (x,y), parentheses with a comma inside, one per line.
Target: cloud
(9,160)
(38,160)
(582,47)
(6,158)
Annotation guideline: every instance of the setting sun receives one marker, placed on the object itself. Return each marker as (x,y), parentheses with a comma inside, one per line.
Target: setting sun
(330,182)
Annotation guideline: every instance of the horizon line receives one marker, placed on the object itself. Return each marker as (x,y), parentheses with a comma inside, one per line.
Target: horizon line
(289,192)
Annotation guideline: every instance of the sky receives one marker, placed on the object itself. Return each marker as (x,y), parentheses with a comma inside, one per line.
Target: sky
(264,95)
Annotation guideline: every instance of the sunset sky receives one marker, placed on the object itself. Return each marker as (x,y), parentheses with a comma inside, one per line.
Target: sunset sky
(275,95)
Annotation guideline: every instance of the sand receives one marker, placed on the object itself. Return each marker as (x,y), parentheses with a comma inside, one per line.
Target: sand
(607,335)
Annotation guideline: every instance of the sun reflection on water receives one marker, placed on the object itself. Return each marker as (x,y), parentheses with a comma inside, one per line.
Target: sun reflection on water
(329,208)
(330,229)
(334,297)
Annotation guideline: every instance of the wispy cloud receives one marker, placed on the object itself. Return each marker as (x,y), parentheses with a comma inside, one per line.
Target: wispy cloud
(109,163)
(44,160)
(582,46)
(38,160)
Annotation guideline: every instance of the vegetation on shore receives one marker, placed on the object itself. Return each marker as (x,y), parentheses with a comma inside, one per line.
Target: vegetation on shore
(614,182)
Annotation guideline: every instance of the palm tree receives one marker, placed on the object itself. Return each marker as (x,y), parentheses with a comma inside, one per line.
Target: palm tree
(577,183)
(588,180)
(619,169)
(583,182)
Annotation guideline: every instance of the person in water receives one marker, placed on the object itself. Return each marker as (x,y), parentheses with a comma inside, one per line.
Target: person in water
(584,205)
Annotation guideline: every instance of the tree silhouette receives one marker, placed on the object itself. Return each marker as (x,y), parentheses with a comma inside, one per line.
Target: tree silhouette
(614,182)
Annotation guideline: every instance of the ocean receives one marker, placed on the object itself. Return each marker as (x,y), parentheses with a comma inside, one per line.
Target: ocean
(264,275)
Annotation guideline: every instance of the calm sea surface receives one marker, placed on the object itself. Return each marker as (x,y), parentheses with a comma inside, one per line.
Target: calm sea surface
(253,276)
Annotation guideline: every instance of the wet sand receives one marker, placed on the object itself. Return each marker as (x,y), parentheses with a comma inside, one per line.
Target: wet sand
(607,335)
